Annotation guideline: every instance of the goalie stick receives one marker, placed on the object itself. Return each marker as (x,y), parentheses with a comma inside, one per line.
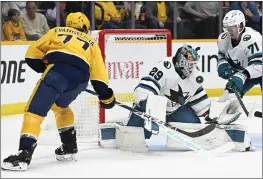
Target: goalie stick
(180,135)
(256,113)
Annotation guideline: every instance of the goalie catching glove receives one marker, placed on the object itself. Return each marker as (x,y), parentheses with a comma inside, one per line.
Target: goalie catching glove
(108,101)
(230,114)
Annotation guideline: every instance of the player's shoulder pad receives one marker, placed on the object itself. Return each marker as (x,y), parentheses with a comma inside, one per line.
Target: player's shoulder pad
(223,41)
(166,63)
(251,40)
(223,36)
(249,36)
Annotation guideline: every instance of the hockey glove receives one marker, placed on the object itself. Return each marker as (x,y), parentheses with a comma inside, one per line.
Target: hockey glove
(230,113)
(108,102)
(236,83)
(224,70)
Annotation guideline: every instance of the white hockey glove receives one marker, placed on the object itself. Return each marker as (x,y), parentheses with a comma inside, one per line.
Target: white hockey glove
(230,113)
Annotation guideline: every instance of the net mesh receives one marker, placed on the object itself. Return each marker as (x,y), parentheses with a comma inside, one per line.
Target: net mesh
(128,56)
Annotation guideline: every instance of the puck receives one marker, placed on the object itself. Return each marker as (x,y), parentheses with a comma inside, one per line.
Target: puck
(199,79)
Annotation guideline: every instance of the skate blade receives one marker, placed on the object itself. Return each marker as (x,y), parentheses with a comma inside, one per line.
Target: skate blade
(67,157)
(22,166)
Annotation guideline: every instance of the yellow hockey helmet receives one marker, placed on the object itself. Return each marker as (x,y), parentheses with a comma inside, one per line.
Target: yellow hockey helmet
(78,21)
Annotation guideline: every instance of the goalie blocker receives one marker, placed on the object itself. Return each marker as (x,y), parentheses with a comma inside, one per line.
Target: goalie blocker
(130,138)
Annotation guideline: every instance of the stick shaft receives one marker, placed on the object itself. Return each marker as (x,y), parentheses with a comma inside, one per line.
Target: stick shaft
(241,103)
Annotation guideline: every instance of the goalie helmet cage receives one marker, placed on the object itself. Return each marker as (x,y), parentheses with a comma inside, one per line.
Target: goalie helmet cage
(127,54)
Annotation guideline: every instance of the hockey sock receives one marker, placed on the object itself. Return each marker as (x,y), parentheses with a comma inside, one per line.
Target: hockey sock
(31,125)
(64,117)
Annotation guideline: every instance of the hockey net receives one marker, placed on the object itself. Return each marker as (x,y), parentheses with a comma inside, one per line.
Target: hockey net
(128,55)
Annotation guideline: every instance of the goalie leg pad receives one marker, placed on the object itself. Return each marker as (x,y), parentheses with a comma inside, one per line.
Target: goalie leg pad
(241,140)
(239,136)
(221,135)
(126,138)
(130,139)
(137,121)
(212,140)
(149,107)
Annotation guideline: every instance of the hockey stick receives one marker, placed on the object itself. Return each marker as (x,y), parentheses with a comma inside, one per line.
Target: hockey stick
(256,114)
(241,102)
(175,133)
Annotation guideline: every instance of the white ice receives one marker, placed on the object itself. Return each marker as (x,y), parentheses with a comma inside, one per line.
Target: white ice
(94,161)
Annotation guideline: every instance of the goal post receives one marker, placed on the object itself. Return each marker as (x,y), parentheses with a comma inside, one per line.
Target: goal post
(134,36)
(128,56)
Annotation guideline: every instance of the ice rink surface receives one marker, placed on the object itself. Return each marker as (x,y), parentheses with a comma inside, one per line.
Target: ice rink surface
(96,162)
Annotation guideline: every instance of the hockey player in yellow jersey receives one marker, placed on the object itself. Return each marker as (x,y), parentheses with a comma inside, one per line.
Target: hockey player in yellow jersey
(68,58)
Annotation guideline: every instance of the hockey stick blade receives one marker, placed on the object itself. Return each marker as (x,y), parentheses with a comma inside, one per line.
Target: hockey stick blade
(256,114)
(180,135)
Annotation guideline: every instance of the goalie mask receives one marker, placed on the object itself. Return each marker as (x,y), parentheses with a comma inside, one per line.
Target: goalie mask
(185,60)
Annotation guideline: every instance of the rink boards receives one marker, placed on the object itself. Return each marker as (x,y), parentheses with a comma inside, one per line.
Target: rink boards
(18,80)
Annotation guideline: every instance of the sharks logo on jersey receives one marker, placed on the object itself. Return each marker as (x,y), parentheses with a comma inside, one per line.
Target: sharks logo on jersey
(178,97)
(235,63)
